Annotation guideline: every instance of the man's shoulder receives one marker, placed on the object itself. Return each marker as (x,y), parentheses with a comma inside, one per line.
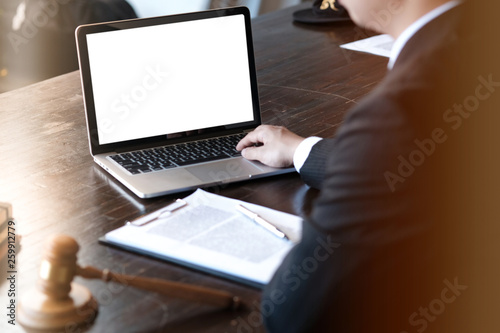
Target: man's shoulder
(439,34)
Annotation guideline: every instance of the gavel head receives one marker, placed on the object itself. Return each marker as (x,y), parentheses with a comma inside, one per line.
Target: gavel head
(58,266)
(56,302)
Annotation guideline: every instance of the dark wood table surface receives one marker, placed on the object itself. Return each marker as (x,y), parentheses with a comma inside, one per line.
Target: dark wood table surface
(306,83)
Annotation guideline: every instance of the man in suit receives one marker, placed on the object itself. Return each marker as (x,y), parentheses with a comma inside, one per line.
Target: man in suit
(394,240)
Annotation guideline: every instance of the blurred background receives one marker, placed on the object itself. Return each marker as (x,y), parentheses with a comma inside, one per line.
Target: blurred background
(37,36)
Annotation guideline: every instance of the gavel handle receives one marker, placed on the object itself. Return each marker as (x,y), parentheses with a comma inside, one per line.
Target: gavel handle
(173,289)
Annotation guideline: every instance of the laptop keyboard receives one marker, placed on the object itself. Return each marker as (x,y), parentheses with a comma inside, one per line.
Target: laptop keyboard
(158,159)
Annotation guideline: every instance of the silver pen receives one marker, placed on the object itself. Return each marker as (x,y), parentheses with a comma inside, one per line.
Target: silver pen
(161,213)
(262,222)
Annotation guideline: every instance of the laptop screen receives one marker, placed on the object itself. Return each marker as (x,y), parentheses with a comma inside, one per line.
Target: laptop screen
(170,78)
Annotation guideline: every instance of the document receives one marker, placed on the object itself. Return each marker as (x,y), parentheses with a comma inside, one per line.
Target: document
(207,232)
(380,45)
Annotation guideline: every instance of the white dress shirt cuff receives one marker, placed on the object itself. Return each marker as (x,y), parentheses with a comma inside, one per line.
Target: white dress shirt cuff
(303,150)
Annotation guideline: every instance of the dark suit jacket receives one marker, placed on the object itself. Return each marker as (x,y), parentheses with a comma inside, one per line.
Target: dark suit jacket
(381,251)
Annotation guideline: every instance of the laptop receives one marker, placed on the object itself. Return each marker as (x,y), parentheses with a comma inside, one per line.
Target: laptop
(167,99)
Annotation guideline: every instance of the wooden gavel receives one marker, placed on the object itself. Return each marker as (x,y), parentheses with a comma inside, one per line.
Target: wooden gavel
(57,302)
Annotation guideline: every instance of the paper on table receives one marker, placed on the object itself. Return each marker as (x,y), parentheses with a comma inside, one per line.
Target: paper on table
(380,45)
(210,234)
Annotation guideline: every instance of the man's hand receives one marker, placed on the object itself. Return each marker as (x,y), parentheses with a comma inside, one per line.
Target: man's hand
(271,145)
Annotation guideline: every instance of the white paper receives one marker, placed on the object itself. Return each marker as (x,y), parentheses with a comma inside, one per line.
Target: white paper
(210,232)
(380,45)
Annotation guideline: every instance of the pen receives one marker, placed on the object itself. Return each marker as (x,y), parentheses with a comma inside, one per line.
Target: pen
(164,212)
(260,221)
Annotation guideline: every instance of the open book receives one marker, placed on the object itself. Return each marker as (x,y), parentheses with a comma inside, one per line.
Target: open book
(208,233)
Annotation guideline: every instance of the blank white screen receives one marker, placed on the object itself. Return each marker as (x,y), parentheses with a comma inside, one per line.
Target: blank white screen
(170,78)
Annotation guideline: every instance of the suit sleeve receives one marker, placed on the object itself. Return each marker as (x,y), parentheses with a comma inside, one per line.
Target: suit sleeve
(313,170)
(356,222)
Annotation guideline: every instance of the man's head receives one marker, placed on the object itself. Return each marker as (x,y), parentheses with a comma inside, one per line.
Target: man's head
(388,16)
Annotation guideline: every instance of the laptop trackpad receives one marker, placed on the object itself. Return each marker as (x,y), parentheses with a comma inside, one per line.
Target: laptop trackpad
(224,170)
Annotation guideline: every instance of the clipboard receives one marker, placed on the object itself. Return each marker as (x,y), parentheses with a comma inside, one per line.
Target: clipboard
(206,232)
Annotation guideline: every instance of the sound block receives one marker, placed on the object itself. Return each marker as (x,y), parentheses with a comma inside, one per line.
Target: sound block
(40,313)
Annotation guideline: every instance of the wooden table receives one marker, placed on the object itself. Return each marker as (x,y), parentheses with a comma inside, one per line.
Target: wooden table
(306,82)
